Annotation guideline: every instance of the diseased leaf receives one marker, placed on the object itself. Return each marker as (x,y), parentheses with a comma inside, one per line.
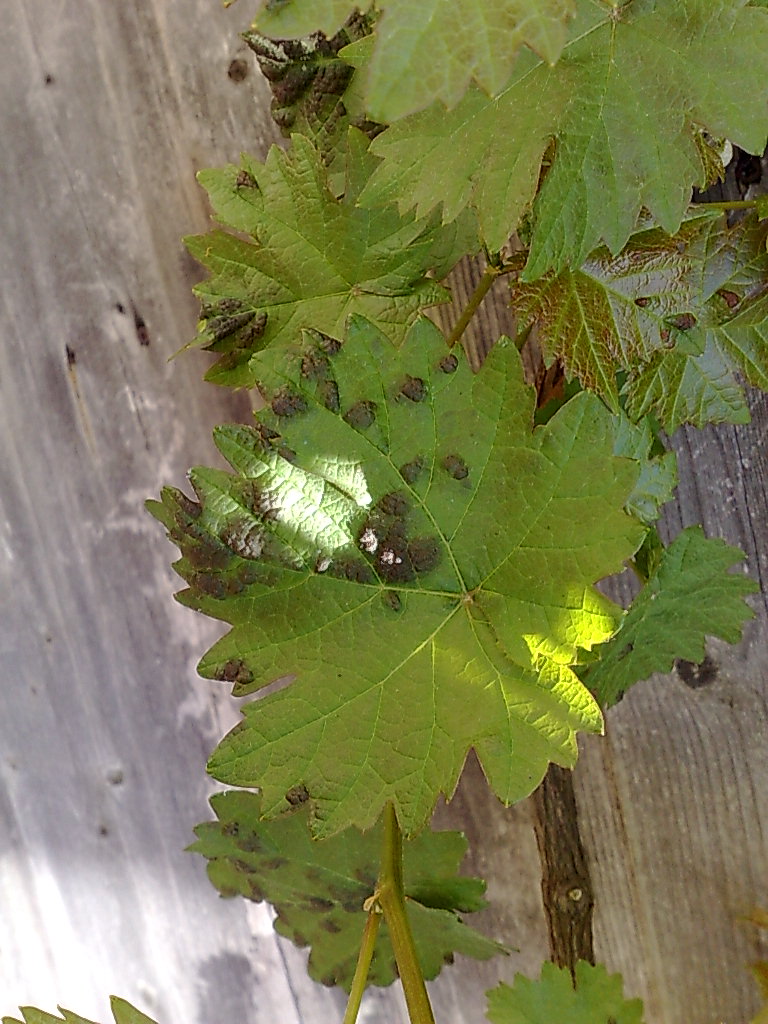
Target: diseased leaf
(690,595)
(678,315)
(433,49)
(425,574)
(598,998)
(122,1012)
(312,259)
(312,90)
(318,889)
(618,117)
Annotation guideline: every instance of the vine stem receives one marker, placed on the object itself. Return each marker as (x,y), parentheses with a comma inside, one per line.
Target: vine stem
(734,204)
(493,270)
(367,947)
(391,898)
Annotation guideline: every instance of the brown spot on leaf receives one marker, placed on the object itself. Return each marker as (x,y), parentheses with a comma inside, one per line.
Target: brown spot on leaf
(424,554)
(330,926)
(642,301)
(245,179)
(456,467)
(315,366)
(449,363)
(683,322)
(411,471)
(297,795)
(234,671)
(391,600)
(414,389)
(665,338)
(328,393)
(394,503)
(351,569)
(287,403)
(361,415)
(731,299)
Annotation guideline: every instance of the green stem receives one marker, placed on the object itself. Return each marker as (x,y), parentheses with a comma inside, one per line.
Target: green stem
(391,898)
(360,979)
(496,268)
(483,287)
(733,204)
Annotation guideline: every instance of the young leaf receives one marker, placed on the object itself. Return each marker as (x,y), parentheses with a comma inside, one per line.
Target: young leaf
(678,314)
(691,595)
(122,1012)
(318,889)
(432,50)
(598,998)
(622,106)
(407,561)
(313,259)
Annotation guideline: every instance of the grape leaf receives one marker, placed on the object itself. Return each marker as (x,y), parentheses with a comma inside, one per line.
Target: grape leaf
(678,313)
(122,1012)
(598,998)
(405,561)
(690,595)
(432,50)
(313,259)
(311,88)
(622,106)
(318,889)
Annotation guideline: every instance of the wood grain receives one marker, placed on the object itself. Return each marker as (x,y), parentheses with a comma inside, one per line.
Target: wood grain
(108,110)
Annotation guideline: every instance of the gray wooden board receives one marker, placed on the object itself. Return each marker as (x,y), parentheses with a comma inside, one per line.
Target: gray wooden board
(107,112)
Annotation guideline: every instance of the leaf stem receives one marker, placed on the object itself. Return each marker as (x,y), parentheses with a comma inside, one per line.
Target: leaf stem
(360,979)
(483,287)
(734,204)
(495,268)
(391,898)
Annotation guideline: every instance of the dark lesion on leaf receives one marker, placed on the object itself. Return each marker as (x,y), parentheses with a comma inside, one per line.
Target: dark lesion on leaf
(245,179)
(297,795)
(328,393)
(414,389)
(449,363)
(392,600)
(683,321)
(384,538)
(234,671)
(287,403)
(455,466)
(349,568)
(361,415)
(411,471)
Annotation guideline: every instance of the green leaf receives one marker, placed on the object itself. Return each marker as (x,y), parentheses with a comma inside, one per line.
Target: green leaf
(313,259)
(404,560)
(318,889)
(122,1012)
(690,595)
(598,998)
(433,49)
(618,116)
(680,315)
